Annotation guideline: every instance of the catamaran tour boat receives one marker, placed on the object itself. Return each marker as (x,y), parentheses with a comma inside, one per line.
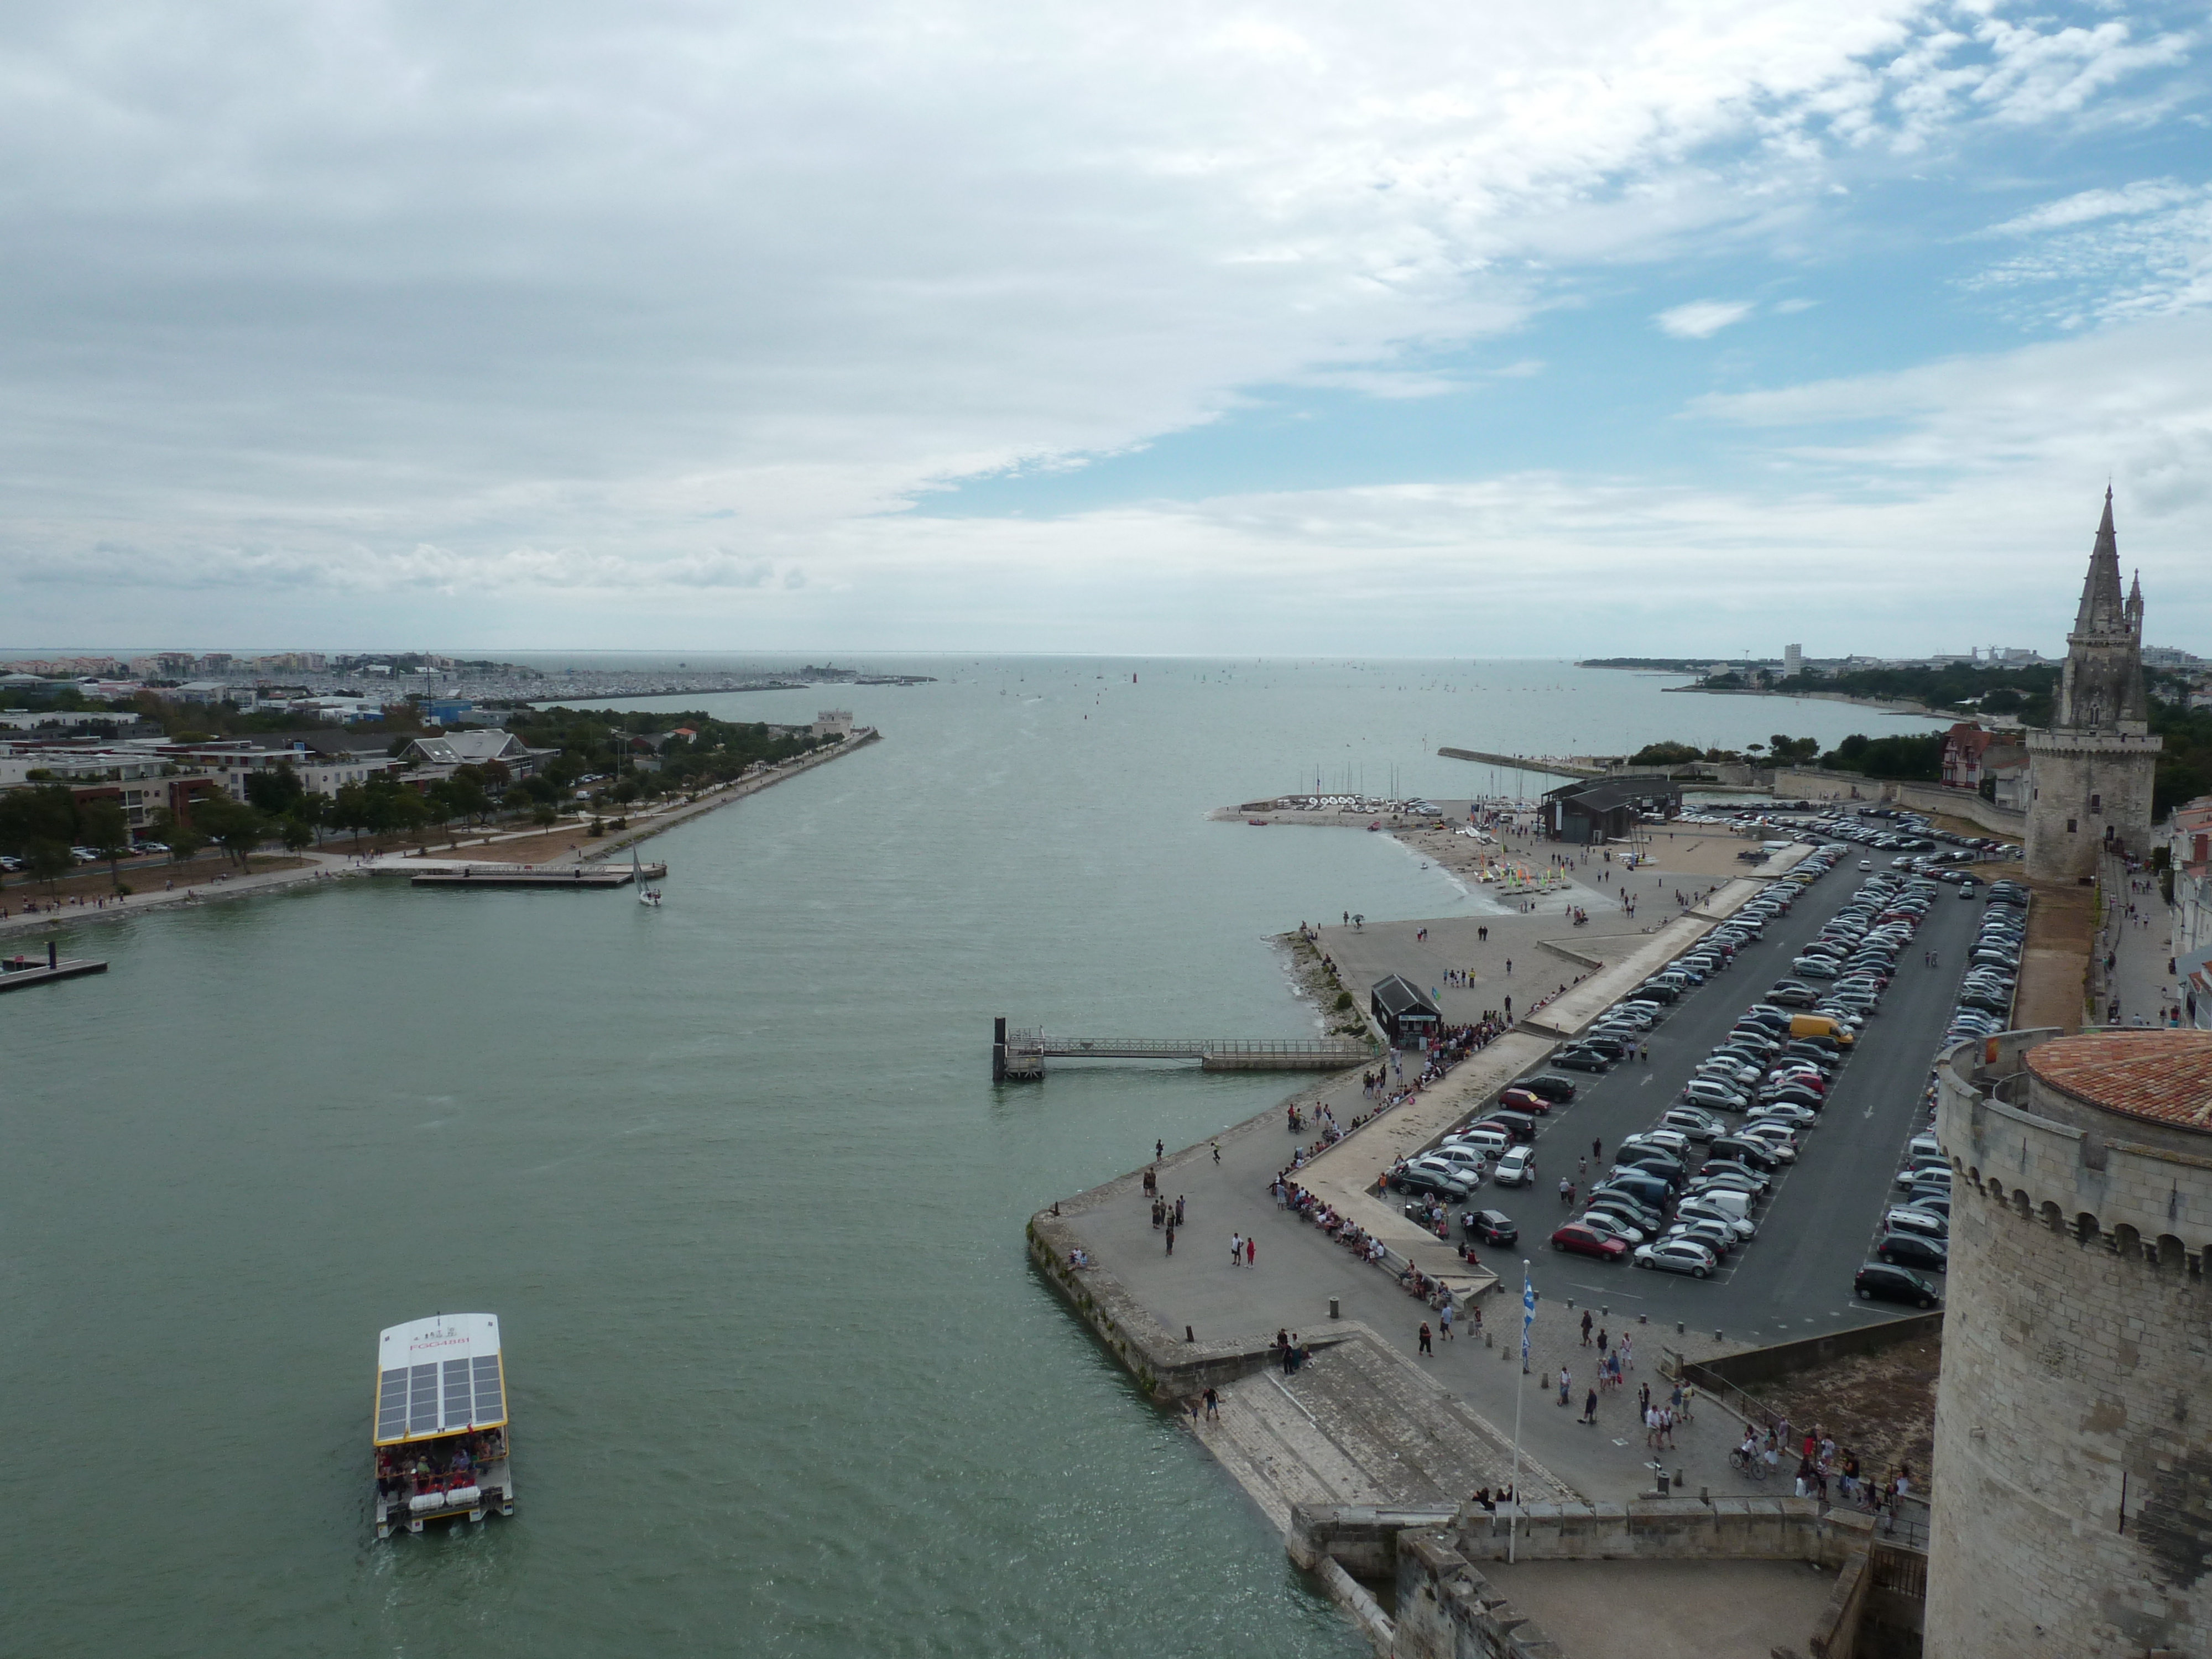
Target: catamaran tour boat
(441,1451)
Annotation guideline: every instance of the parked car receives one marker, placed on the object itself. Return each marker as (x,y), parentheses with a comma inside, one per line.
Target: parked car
(1517,1169)
(1878,1281)
(1914,1251)
(1677,1256)
(1909,1218)
(1604,1221)
(1588,1240)
(1490,1226)
(1583,1059)
(1524,1100)
(1557,1090)
(1431,1182)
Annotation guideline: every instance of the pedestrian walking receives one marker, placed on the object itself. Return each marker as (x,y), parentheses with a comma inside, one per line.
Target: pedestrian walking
(1425,1347)
(1567,1384)
(1590,1407)
(1159,1150)
(1178,1209)
(1251,1252)
(1213,1404)
(1597,1151)
(1587,1322)
(1644,1400)
(1443,1320)
(1217,1151)
(1236,1249)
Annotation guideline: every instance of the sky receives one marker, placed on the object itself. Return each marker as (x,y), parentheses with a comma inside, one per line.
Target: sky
(1519,328)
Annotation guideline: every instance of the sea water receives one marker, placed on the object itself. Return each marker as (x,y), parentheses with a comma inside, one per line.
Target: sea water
(732,1173)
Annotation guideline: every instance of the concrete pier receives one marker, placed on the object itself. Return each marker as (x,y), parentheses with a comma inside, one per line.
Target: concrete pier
(19,971)
(574,877)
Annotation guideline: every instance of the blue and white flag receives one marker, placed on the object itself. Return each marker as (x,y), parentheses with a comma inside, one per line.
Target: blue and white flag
(1528,1313)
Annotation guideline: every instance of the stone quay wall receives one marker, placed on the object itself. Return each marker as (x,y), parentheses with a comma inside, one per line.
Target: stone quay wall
(1166,1367)
(2072,1478)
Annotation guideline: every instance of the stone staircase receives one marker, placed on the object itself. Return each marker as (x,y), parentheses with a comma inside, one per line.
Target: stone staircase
(1362,1424)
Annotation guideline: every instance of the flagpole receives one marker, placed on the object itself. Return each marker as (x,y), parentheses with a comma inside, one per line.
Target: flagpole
(1527,1318)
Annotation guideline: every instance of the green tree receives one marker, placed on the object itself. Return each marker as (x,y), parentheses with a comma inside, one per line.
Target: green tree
(49,862)
(182,839)
(106,831)
(232,825)
(274,793)
(295,832)
(46,812)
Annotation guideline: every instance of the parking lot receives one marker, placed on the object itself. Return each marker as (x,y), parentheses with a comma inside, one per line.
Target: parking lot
(1821,1218)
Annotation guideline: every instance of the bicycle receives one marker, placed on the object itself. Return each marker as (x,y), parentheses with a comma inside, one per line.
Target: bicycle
(1753,1464)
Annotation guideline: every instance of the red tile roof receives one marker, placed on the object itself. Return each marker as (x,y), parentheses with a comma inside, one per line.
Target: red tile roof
(2163,1075)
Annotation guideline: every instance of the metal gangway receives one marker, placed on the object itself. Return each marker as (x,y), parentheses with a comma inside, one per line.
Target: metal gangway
(1019,1055)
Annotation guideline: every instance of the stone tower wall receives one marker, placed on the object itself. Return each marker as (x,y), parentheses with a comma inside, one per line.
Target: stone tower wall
(2067,770)
(2072,1478)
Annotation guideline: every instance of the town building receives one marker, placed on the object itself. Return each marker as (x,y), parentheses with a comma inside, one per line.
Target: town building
(2089,775)
(1589,813)
(477,747)
(2189,850)
(832,723)
(1793,661)
(2072,1488)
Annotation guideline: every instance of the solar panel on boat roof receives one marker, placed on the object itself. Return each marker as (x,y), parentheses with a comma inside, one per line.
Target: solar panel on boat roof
(491,1401)
(391,1404)
(422,1400)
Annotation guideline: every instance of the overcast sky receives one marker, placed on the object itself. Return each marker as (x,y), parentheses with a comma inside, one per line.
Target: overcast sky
(1541,327)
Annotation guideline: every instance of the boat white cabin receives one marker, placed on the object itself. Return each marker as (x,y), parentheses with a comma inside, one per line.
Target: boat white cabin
(441,1438)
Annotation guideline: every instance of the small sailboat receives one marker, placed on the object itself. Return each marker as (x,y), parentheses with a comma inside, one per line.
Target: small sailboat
(649,897)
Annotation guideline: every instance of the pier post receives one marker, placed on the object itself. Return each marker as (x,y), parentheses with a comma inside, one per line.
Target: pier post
(53,954)
(999,1049)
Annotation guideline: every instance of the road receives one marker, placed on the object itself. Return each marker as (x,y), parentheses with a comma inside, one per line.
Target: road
(1794,1279)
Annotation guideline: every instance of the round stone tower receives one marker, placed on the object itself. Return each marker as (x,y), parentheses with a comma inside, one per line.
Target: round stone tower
(2072,1478)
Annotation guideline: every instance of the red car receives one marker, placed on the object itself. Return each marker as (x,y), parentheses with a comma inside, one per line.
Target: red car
(1588,1240)
(1523,1100)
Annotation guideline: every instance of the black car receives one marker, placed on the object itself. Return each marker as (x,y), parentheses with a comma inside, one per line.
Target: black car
(1435,1186)
(1650,1159)
(1556,1090)
(1877,1281)
(1583,1059)
(1623,1207)
(1606,1043)
(1913,1250)
(1490,1226)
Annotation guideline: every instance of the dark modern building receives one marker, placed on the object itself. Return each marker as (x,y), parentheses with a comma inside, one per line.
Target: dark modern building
(1405,1015)
(1605,809)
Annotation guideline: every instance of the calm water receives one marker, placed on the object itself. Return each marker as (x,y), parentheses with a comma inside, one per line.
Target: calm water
(732,1173)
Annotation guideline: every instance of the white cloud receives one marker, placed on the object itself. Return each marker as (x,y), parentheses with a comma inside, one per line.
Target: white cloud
(353,304)
(2144,196)
(1701,319)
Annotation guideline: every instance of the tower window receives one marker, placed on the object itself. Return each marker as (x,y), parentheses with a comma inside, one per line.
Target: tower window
(2096,803)
(2070,826)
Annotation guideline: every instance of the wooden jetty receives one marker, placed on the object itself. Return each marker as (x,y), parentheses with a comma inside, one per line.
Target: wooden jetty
(18,971)
(1019,1056)
(574,878)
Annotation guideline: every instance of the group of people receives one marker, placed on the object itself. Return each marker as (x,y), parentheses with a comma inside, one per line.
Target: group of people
(1302,1204)
(434,1467)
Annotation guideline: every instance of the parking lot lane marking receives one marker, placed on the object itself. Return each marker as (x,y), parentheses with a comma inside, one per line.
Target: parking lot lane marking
(1620,1443)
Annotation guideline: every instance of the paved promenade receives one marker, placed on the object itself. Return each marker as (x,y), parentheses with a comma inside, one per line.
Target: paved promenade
(1298,1271)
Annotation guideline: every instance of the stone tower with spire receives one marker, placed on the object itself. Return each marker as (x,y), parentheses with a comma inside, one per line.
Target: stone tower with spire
(2090,777)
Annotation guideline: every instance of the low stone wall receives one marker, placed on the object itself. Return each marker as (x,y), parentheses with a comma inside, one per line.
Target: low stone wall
(1447,1609)
(1166,1366)
(1670,1529)
(1810,783)
(1755,1365)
